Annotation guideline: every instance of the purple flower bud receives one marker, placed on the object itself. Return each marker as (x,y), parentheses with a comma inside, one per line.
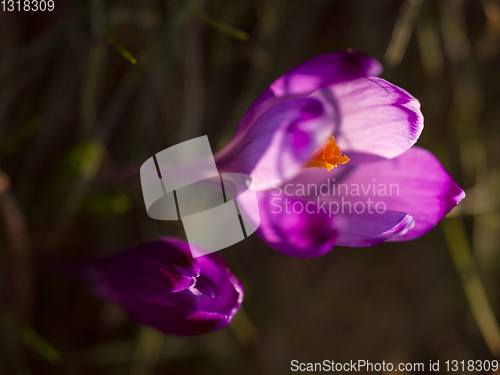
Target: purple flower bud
(161,285)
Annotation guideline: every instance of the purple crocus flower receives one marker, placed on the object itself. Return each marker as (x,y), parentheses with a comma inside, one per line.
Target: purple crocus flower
(367,183)
(161,285)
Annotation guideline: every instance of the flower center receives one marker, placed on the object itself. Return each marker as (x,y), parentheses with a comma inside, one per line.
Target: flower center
(328,157)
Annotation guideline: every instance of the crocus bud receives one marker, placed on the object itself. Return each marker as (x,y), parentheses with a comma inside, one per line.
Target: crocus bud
(161,285)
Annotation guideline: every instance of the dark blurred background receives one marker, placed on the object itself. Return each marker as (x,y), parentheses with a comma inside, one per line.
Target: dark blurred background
(92,89)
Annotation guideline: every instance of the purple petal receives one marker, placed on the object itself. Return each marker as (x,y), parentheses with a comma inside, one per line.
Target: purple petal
(310,76)
(228,295)
(361,230)
(372,116)
(147,271)
(174,320)
(203,316)
(311,226)
(290,229)
(428,192)
(325,70)
(179,282)
(278,144)
(414,183)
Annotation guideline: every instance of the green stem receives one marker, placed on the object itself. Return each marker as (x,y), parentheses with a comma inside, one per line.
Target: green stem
(475,293)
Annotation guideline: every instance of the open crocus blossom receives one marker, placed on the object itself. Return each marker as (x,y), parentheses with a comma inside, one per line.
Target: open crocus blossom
(329,148)
(161,285)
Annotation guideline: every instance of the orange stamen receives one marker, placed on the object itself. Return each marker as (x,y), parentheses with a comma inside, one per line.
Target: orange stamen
(328,157)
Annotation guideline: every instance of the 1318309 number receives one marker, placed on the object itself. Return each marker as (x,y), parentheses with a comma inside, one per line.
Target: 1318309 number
(472,365)
(27,5)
